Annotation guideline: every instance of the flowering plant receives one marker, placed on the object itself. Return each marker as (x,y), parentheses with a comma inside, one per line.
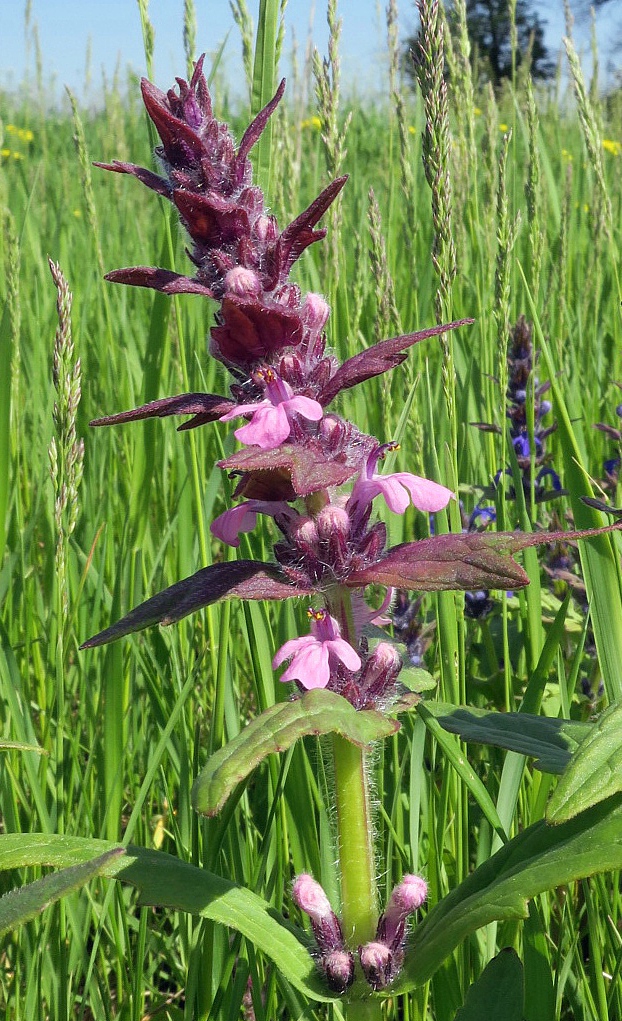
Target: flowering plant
(316,475)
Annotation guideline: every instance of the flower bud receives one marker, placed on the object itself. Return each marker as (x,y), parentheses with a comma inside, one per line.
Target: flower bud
(377,964)
(332,519)
(407,897)
(242,282)
(309,896)
(381,670)
(315,311)
(303,532)
(332,431)
(265,228)
(338,966)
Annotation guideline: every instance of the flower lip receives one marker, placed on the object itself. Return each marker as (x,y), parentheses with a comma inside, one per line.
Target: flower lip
(272,418)
(315,656)
(398,489)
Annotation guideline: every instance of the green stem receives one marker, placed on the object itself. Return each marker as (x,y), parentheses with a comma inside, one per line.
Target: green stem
(359,897)
(359,900)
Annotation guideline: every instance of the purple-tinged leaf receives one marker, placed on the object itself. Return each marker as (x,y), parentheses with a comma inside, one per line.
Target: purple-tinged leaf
(251,331)
(609,430)
(299,234)
(178,138)
(244,579)
(204,407)
(309,466)
(210,219)
(486,427)
(164,280)
(255,128)
(147,177)
(276,730)
(378,359)
(600,505)
(475,560)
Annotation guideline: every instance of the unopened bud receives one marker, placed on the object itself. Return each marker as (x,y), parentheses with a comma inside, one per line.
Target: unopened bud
(242,282)
(377,964)
(265,228)
(310,898)
(381,670)
(316,311)
(303,532)
(408,896)
(332,430)
(338,966)
(331,520)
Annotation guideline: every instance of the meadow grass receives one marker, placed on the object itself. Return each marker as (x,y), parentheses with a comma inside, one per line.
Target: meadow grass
(121,733)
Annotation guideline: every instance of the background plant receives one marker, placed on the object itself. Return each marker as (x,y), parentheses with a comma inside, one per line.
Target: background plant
(133,721)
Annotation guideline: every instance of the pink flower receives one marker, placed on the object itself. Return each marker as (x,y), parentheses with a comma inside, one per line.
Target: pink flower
(271,423)
(398,489)
(228,526)
(315,655)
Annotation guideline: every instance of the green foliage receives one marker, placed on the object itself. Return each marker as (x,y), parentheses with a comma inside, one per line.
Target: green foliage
(275,730)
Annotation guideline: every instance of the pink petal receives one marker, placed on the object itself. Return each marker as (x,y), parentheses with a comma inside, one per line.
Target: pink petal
(268,428)
(310,667)
(291,648)
(395,495)
(426,496)
(306,407)
(243,409)
(344,651)
(228,526)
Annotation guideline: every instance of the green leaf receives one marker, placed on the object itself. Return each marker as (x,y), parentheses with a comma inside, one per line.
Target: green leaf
(165,881)
(550,742)
(19,906)
(317,712)
(541,858)
(415,678)
(498,992)
(595,771)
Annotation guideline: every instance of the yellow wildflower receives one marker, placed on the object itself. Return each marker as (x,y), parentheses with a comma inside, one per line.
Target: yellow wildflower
(77,213)
(311,122)
(503,127)
(5,153)
(25,134)
(412,130)
(566,155)
(615,148)
(477,111)
(11,129)
(18,155)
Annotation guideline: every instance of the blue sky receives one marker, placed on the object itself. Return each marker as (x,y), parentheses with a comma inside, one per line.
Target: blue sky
(113,28)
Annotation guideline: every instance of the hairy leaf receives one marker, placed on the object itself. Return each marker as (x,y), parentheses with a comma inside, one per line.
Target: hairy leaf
(470,560)
(317,712)
(165,280)
(244,579)
(167,882)
(19,906)
(378,359)
(310,466)
(204,407)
